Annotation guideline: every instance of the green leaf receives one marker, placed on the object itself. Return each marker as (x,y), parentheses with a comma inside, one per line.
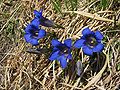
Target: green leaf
(66,3)
(57,6)
(104,3)
(118,66)
(73,4)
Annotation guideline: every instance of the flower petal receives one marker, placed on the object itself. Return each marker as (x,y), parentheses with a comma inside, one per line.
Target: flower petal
(68,42)
(35,23)
(63,61)
(55,49)
(41,33)
(86,31)
(98,48)
(98,35)
(98,40)
(54,55)
(79,43)
(27,37)
(55,42)
(38,14)
(83,37)
(69,56)
(28,29)
(34,42)
(87,50)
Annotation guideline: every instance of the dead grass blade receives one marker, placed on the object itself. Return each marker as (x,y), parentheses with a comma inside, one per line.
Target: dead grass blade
(93,16)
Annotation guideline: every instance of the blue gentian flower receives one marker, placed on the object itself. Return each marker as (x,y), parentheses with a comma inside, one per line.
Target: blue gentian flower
(90,42)
(44,21)
(33,33)
(61,52)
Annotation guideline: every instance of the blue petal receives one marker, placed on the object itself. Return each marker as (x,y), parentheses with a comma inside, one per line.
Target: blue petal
(41,33)
(98,48)
(34,42)
(55,43)
(38,14)
(98,35)
(83,37)
(55,49)
(54,55)
(68,42)
(28,29)
(27,37)
(63,61)
(87,50)
(86,31)
(79,43)
(35,23)
(98,40)
(69,56)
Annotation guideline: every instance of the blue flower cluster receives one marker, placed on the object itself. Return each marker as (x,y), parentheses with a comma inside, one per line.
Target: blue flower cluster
(61,52)
(33,34)
(33,31)
(90,42)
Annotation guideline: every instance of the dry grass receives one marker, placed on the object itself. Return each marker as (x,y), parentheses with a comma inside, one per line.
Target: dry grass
(20,70)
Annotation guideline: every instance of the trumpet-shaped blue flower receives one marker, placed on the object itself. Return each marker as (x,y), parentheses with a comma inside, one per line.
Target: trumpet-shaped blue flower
(33,33)
(90,42)
(61,52)
(43,21)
